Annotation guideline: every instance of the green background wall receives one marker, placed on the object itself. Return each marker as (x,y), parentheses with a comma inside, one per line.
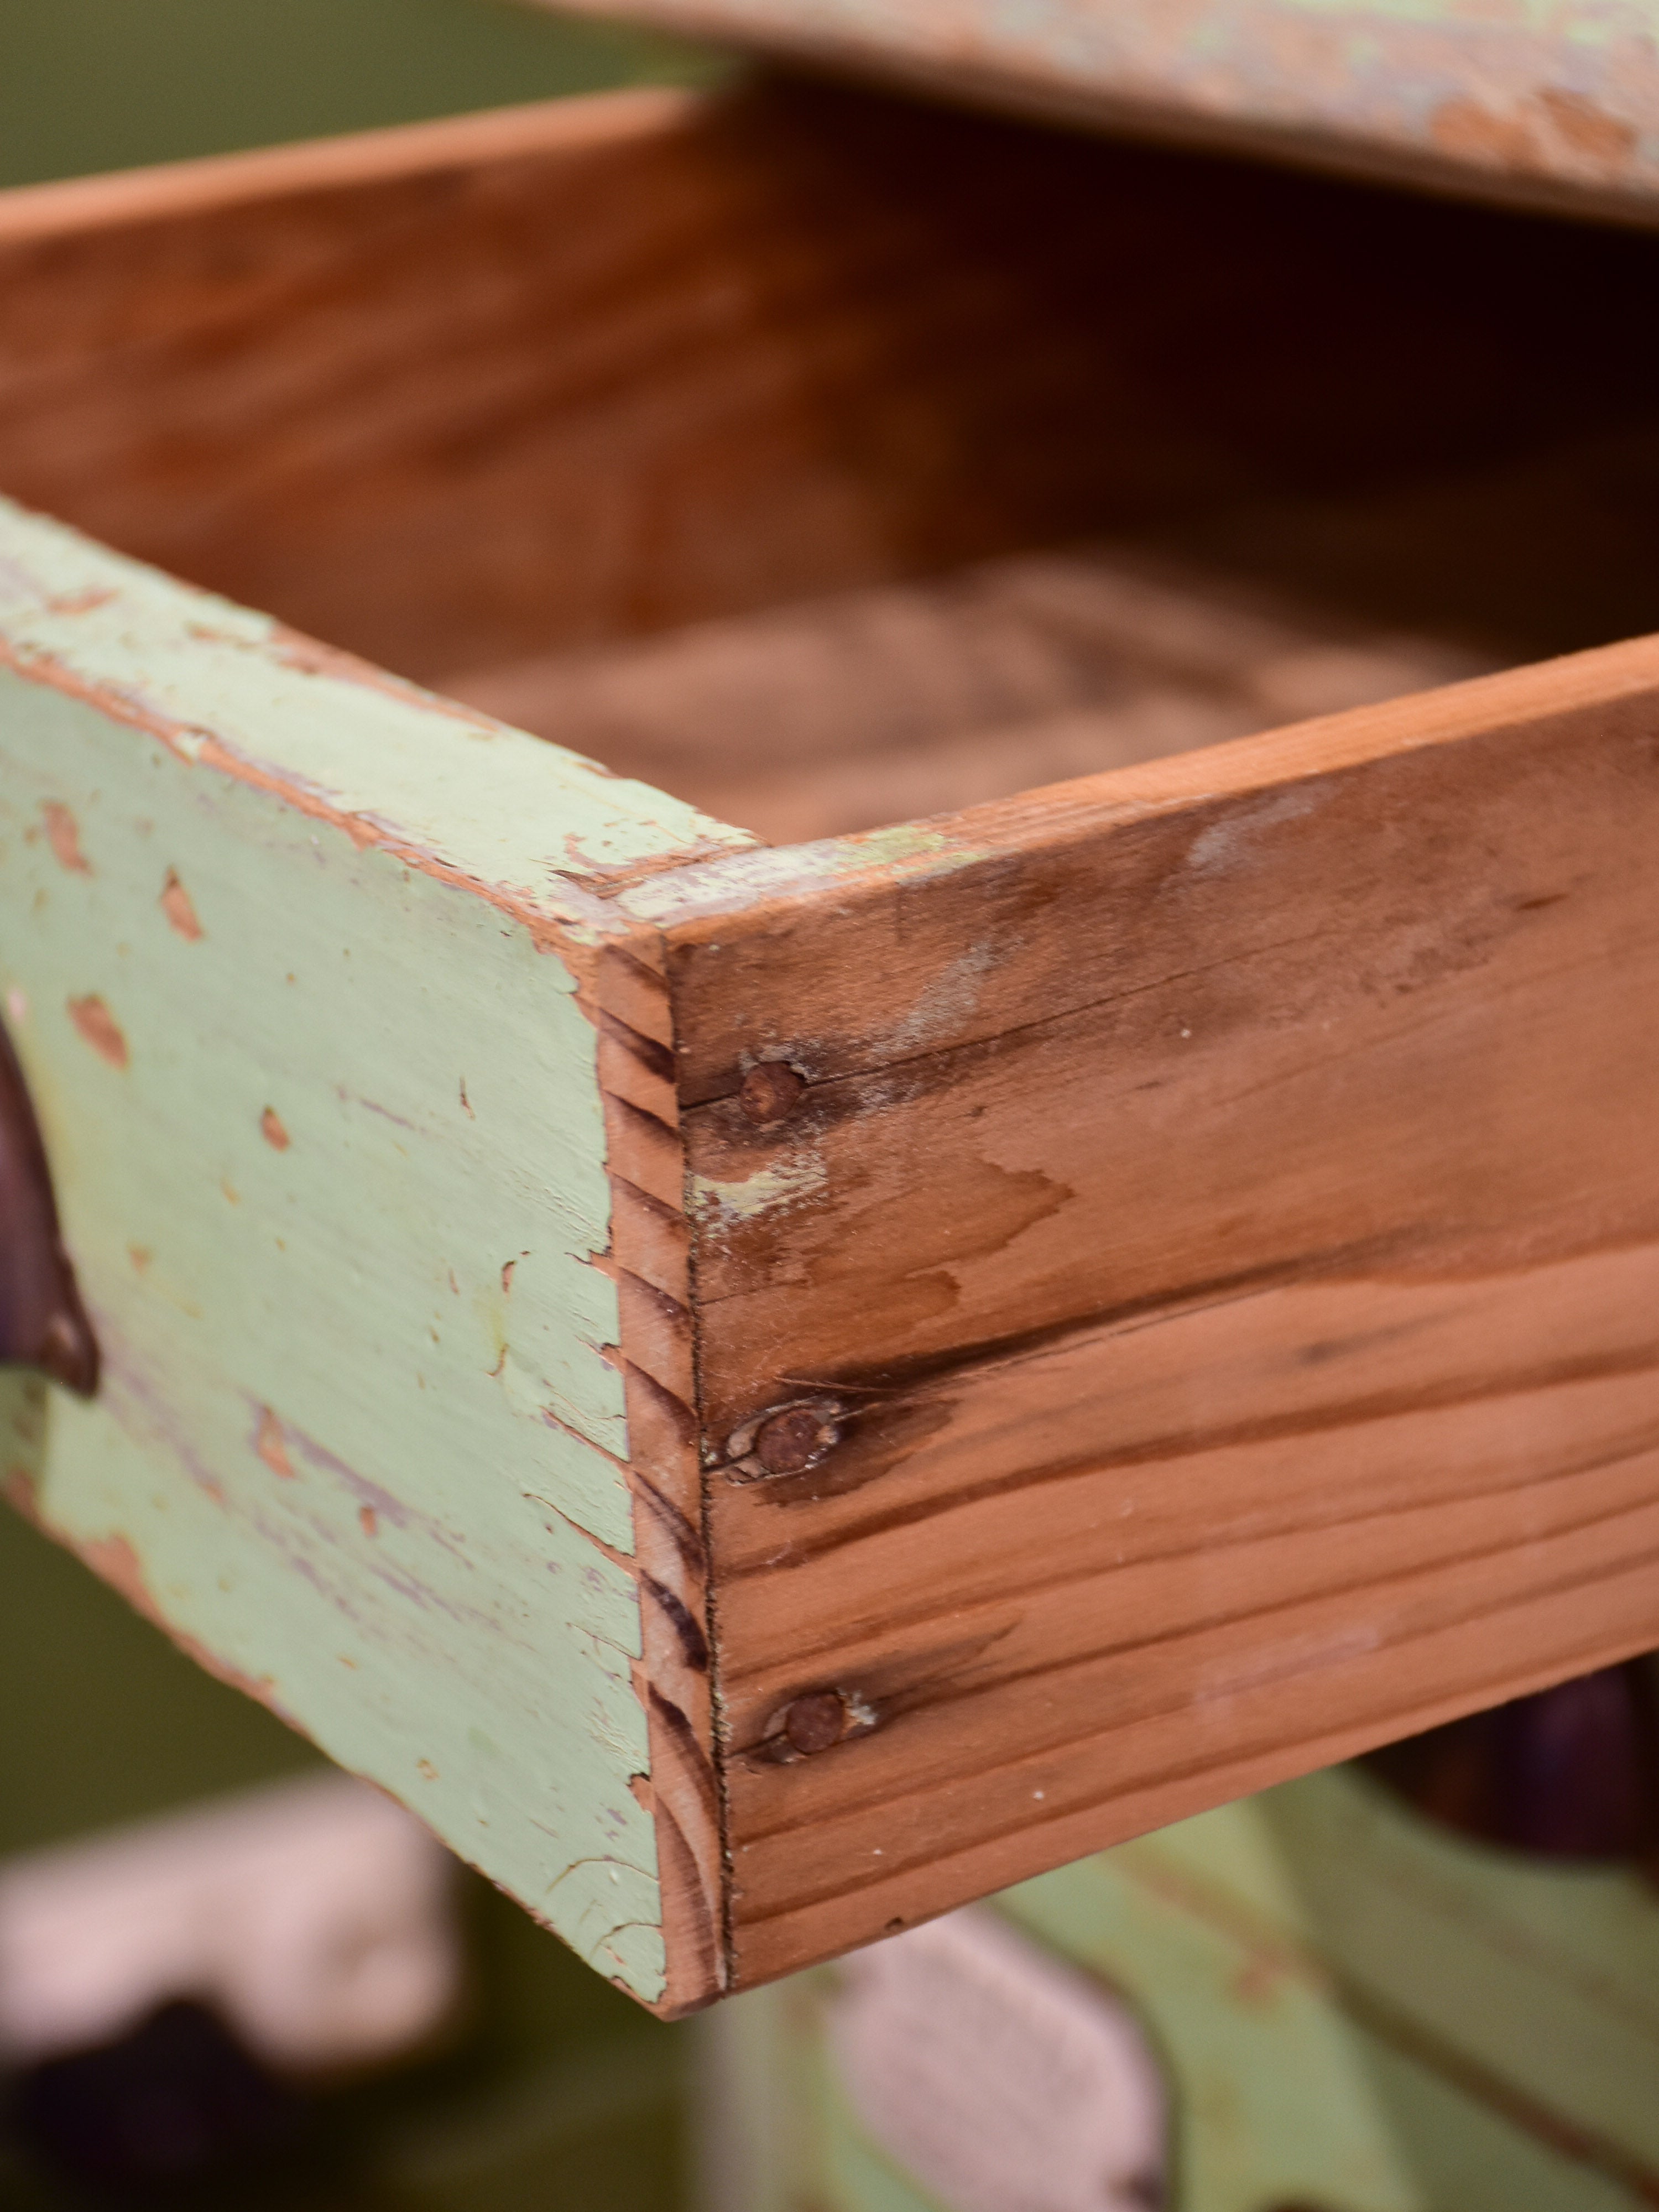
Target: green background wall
(106,84)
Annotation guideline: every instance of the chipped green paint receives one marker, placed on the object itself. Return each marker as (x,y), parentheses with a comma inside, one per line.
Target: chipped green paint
(1550,100)
(447,786)
(296,996)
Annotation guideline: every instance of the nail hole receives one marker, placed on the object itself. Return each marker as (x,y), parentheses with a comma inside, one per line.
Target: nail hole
(770,1092)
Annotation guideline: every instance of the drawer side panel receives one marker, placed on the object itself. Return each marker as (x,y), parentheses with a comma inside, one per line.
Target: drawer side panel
(1219,1225)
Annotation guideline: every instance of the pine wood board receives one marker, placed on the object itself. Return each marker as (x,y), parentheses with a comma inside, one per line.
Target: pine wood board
(1193,1225)
(464,392)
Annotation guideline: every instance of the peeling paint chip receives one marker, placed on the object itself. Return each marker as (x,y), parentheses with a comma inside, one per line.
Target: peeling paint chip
(272,1129)
(99,1028)
(177,906)
(270,1445)
(63,836)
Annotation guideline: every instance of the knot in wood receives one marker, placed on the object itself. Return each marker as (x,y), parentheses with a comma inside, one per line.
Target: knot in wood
(791,1442)
(770,1092)
(816,1721)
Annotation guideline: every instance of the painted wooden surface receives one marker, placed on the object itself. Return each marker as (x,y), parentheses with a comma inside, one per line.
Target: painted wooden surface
(1557,104)
(292,956)
(1351,2009)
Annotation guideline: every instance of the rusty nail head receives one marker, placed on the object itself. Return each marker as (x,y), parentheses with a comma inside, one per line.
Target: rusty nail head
(816,1721)
(793,1440)
(770,1092)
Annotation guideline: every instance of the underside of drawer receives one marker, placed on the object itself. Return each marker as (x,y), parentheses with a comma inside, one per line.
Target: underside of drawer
(768,1388)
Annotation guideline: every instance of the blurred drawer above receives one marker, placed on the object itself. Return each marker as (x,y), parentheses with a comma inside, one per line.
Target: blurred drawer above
(1548,106)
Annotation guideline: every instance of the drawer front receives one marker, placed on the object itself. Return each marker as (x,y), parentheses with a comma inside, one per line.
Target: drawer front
(296,962)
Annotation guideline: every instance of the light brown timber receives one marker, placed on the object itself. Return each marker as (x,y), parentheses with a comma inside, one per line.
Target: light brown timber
(1224,1209)
(673,1676)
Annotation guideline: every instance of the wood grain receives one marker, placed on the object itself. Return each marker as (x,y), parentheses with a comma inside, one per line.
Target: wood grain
(1223,1218)
(649,1252)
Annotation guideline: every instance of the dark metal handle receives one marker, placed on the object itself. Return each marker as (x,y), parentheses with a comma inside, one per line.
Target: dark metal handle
(1570,1773)
(42,1321)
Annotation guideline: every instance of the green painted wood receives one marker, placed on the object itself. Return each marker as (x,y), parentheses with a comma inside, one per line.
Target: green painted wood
(1325,2053)
(1354,2010)
(1545,1974)
(291,954)
(552,2072)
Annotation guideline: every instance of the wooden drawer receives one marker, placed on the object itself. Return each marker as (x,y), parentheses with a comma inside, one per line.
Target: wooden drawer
(770,1389)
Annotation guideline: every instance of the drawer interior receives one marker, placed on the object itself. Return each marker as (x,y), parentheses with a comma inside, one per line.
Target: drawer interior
(877,706)
(830,458)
